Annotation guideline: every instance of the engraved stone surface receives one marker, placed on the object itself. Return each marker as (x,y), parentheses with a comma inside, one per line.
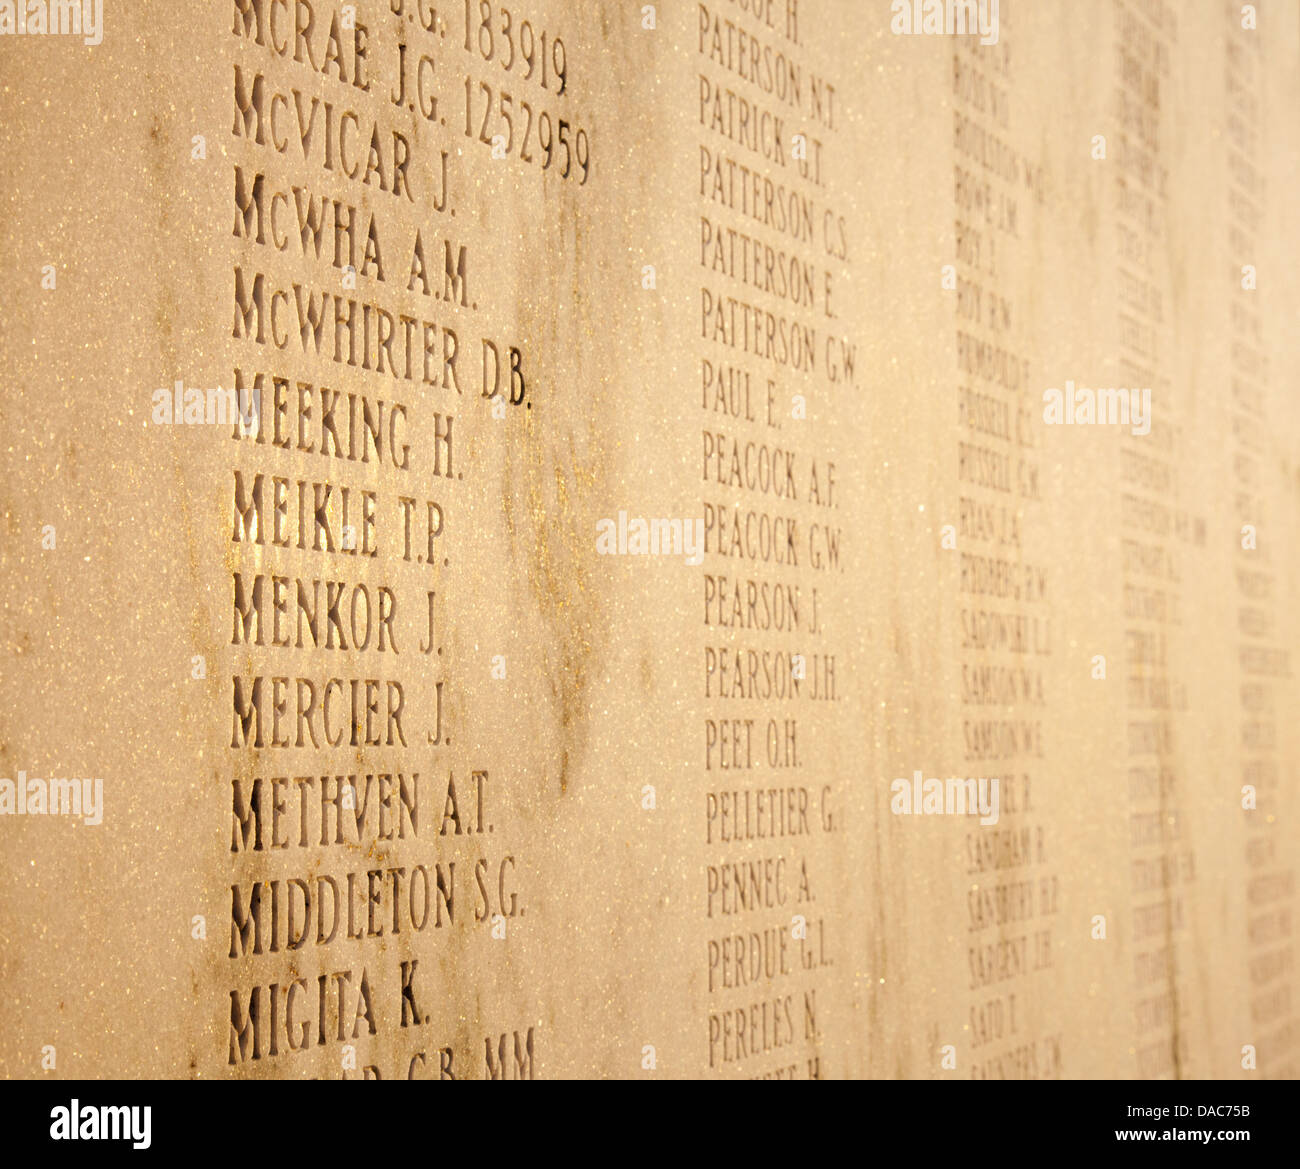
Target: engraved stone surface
(745,539)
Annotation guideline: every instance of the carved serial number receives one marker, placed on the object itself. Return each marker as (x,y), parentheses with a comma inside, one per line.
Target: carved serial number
(492,116)
(491,32)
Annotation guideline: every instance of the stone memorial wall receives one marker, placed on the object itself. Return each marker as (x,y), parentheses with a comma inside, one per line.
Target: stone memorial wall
(578,538)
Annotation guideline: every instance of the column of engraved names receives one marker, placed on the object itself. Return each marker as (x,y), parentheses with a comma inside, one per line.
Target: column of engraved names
(1263,664)
(361,835)
(1005,627)
(1156,538)
(773,352)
